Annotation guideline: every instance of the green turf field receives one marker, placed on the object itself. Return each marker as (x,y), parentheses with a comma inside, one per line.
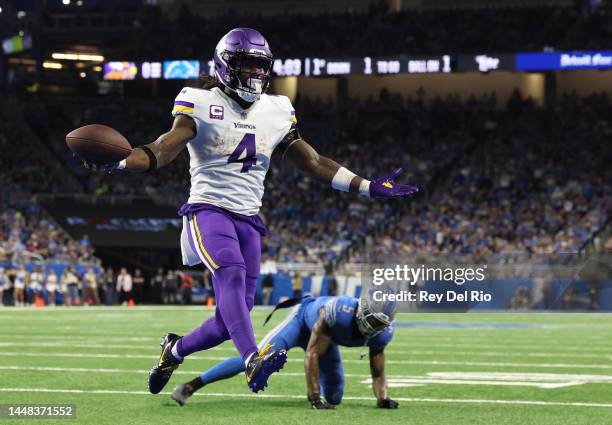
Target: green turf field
(487,368)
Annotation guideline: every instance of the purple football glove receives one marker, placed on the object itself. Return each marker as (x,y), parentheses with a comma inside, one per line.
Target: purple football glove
(385,187)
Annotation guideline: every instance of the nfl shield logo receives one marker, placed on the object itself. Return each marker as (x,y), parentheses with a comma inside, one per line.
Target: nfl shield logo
(216,112)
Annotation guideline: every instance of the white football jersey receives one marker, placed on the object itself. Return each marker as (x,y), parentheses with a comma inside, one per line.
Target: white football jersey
(230,154)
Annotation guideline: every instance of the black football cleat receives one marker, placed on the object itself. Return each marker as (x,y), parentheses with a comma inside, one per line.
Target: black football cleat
(262,365)
(160,374)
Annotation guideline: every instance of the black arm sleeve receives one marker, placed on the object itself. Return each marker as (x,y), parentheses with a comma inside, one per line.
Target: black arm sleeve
(292,135)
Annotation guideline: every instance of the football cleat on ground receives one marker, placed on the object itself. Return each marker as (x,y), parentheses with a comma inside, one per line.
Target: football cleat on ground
(181,393)
(160,374)
(262,365)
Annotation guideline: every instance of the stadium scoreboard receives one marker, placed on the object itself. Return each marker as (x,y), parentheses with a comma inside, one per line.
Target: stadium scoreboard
(371,65)
(308,67)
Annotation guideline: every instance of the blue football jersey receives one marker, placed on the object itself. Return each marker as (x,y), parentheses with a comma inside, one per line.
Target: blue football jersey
(340,317)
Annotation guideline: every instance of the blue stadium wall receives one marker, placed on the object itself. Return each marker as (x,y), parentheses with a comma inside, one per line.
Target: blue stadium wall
(501,290)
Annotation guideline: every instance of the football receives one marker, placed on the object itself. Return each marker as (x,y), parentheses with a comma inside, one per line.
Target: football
(98,144)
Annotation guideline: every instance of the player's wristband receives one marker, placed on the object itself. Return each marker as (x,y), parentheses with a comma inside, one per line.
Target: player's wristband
(122,164)
(152,158)
(342,179)
(364,188)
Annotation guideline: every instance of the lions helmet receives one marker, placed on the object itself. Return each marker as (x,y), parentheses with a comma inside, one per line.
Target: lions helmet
(373,316)
(238,47)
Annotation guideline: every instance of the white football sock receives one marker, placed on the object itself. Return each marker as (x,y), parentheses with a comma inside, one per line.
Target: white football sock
(175,353)
(246,362)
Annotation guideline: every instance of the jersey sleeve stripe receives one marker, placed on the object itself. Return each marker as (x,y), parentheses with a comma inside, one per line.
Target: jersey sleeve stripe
(293,117)
(182,109)
(201,244)
(183,103)
(330,312)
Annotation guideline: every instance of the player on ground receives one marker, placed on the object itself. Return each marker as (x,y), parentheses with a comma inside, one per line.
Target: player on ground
(320,326)
(230,128)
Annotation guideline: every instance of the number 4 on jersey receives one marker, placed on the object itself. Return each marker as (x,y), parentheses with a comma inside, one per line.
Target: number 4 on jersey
(247,143)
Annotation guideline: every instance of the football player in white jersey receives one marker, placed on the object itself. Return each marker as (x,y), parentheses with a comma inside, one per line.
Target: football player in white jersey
(230,127)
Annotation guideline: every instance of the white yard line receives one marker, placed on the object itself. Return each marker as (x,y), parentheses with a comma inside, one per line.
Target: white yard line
(589,349)
(434,377)
(408,362)
(82,331)
(301,397)
(392,350)
(507,343)
(146,371)
(538,380)
(538,336)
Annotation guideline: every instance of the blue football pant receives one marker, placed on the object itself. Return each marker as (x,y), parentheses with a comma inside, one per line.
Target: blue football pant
(289,334)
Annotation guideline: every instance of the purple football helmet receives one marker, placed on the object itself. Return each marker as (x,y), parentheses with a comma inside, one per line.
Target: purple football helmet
(239,47)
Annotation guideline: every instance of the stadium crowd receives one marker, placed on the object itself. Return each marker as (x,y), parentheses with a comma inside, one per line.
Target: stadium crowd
(307,221)
(27,234)
(509,178)
(159,33)
(320,223)
(538,185)
(352,33)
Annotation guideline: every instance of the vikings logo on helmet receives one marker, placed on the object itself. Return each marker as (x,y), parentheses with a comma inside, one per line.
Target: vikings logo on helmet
(373,316)
(237,48)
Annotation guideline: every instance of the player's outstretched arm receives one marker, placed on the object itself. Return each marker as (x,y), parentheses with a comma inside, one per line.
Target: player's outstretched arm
(156,154)
(379,380)
(317,345)
(163,150)
(308,160)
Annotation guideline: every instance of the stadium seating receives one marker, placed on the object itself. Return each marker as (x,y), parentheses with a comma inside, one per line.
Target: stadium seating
(495,178)
(536,184)
(351,34)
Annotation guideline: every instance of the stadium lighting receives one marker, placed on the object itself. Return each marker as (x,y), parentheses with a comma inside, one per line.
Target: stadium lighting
(79,2)
(52,65)
(0,9)
(21,14)
(82,75)
(78,57)
(65,2)
(97,68)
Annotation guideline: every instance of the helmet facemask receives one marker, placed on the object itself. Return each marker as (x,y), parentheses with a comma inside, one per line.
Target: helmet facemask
(373,317)
(253,87)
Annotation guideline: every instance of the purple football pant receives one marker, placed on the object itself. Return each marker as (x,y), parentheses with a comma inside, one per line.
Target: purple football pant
(230,248)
